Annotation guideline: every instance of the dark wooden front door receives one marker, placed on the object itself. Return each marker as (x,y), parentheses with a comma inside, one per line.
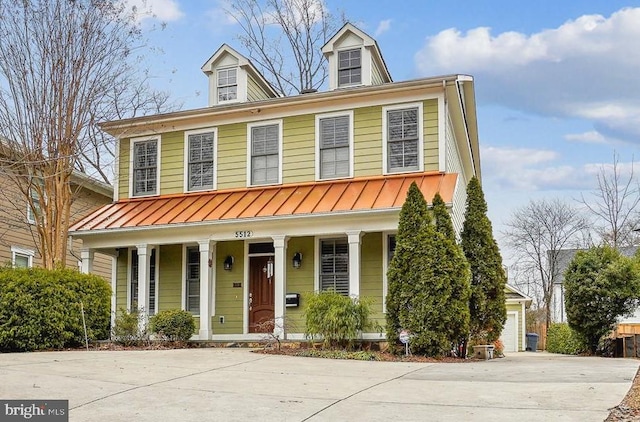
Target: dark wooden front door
(261,294)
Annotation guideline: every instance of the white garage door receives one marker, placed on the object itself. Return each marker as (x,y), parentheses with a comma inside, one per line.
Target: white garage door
(509,335)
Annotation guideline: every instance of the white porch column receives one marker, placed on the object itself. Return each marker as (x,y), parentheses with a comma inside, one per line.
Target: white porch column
(206,269)
(87,260)
(144,282)
(280,270)
(354,262)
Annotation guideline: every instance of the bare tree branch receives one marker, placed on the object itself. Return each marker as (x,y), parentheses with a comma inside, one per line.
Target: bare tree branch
(616,205)
(283,39)
(536,233)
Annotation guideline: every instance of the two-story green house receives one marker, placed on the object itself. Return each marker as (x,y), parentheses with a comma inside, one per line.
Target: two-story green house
(233,210)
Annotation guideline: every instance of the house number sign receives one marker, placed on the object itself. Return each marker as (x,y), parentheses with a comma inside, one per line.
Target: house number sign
(243,234)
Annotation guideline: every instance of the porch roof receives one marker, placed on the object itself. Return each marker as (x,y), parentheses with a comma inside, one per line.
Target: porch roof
(316,198)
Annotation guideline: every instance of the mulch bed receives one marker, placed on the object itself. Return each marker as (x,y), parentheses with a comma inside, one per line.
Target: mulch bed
(629,409)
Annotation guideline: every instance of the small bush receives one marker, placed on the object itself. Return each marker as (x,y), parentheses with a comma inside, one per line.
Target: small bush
(127,330)
(335,318)
(42,309)
(173,325)
(562,339)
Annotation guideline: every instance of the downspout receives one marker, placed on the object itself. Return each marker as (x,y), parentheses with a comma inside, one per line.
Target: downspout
(459,84)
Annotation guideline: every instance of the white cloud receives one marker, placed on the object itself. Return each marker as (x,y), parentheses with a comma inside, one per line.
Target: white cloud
(383,27)
(590,137)
(163,10)
(585,68)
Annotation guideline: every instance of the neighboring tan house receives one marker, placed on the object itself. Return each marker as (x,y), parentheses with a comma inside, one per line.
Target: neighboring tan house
(18,236)
(232,211)
(514,332)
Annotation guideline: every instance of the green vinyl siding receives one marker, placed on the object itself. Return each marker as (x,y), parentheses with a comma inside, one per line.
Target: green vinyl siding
(172,163)
(121,279)
(368,141)
(298,163)
(229,299)
(170,277)
(232,156)
(299,280)
(517,307)
(123,171)
(254,92)
(430,133)
(371,274)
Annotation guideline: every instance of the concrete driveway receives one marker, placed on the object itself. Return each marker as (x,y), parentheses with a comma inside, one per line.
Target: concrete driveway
(237,385)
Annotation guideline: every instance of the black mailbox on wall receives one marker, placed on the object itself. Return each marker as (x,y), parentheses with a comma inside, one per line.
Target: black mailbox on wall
(292,300)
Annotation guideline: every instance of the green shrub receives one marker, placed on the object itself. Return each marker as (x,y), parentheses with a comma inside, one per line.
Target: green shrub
(335,318)
(42,309)
(126,330)
(562,339)
(173,324)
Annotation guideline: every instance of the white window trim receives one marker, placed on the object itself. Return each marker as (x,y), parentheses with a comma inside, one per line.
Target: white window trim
(215,158)
(363,68)
(250,126)
(318,257)
(385,266)
(349,114)
(385,164)
(29,253)
(131,158)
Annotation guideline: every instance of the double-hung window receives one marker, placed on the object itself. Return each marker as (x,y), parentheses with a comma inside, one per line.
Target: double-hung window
(34,209)
(227,84)
(192,293)
(265,154)
(349,67)
(201,160)
(402,135)
(334,265)
(145,167)
(21,258)
(334,150)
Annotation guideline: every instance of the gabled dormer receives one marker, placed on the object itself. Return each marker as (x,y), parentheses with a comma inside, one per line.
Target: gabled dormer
(233,79)
(354,59)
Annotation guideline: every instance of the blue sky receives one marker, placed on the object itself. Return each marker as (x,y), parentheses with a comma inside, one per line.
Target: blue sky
(557,82)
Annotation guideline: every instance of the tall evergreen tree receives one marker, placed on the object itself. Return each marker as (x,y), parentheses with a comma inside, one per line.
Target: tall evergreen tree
(414,216)
(488,279)
(453,265)
(422,282)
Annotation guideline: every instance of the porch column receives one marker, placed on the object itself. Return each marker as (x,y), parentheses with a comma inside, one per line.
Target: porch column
(86,255)
(144,282)
(354,262)
(206,268)
(280,271)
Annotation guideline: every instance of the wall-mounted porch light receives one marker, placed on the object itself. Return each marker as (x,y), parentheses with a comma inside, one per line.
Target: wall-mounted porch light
(297,260)
(228,263)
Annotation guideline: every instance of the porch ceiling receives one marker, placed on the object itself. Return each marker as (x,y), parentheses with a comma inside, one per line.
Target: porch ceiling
(361,194)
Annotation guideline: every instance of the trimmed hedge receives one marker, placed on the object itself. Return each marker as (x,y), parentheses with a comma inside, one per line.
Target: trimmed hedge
(562,339)
(173,324)
(40,309)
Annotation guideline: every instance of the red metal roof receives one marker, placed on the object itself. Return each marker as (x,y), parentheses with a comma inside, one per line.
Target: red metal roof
(349,195)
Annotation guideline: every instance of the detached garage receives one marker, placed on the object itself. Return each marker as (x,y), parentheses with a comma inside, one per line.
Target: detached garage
(513,332)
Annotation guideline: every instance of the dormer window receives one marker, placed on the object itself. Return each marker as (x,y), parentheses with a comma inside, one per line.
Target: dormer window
(349,67)
(227,84)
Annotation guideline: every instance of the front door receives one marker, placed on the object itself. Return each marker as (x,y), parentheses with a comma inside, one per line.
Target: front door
(261,294)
